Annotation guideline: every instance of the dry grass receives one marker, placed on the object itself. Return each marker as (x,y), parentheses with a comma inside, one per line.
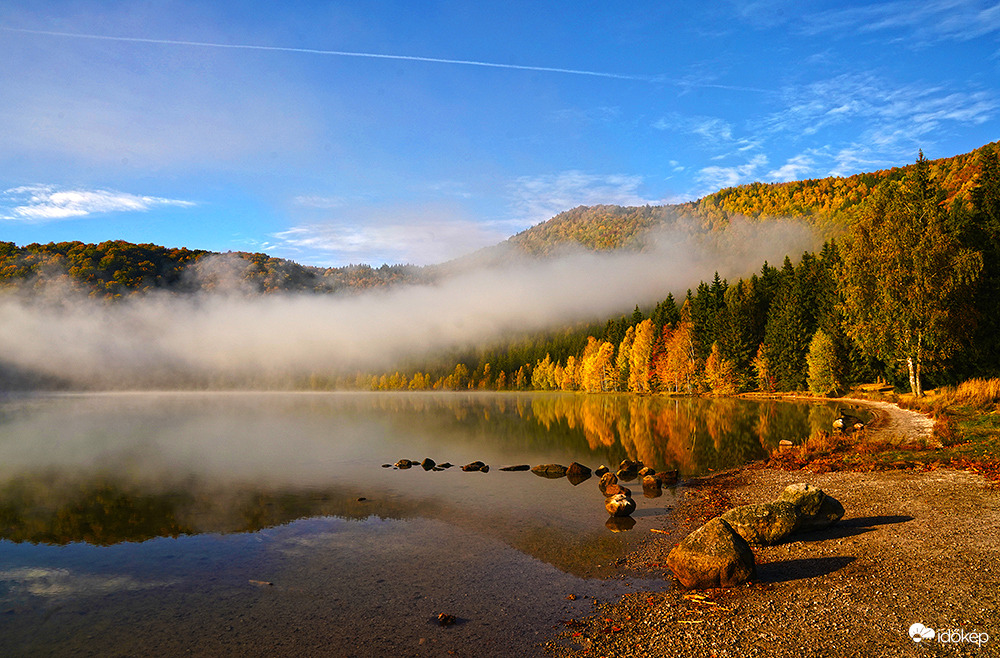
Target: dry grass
(978,393)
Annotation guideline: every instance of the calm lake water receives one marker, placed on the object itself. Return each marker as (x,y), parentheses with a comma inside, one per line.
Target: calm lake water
(265,523)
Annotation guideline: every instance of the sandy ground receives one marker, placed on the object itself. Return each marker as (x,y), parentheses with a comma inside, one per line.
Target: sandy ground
(913,547)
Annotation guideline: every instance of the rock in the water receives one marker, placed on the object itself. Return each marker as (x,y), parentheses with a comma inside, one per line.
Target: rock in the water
(519,467)
(607,480)
(446,465)
(615,489)
(601,470)
(714,555)
(646,470)
(475,466)
(404,463)
(578,470)
(428,464)
(651,487)
(667,478)
(550,470)
(764,523)
(619,505)
(816,509)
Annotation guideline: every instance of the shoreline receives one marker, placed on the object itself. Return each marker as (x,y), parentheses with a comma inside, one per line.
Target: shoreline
(914,546)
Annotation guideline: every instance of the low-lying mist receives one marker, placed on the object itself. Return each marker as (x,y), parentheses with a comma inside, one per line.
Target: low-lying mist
(164,340)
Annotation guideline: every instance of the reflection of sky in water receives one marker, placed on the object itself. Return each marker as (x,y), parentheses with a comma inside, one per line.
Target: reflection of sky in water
(62,583)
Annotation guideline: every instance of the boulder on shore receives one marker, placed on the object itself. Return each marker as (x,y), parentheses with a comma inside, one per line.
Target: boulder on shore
(816,510)
(764,523)
(714,555)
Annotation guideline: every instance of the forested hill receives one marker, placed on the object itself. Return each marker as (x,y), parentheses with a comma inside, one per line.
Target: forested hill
(117,268)
(828,203)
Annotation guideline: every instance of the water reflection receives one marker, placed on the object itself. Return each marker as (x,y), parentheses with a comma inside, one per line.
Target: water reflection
(105,469)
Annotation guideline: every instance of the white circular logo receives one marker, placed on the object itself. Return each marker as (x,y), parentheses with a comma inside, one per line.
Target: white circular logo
(920,632)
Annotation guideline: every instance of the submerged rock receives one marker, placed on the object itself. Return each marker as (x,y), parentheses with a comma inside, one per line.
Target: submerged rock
(519,467)
(763,523)
(577,473)
(445,465)
(619,505)
(714,555)
(550,470)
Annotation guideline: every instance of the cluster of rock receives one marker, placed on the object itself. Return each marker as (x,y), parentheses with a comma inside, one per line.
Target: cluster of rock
(618,498)
(718,554)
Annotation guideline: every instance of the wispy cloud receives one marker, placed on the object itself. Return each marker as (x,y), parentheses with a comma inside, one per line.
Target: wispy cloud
(714,178)
(537,198)
(43,203)
(891,118)
(418,236)
(794,169)
(926,21)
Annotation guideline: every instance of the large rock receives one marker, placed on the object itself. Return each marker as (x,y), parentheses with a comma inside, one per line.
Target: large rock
(816,509)
(619,505)
(764,523)
(550,470)
(714,555)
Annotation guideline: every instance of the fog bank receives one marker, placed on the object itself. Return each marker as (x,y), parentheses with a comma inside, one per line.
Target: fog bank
(161,339)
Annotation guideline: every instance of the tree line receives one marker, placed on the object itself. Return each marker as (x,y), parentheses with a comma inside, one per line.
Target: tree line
(910,293)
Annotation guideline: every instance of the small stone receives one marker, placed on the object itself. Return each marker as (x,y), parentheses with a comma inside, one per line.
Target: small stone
(428,464)
(646,470)
(404,463)
(577,473)
(550,470)
(619,505)
(651,487)
(446,620)
(601,470)
(607,480)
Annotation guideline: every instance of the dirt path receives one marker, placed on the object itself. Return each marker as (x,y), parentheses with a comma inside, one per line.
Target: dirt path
(897,425)
(913,547)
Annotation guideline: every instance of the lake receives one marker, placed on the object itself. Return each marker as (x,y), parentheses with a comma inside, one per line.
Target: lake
(267,523)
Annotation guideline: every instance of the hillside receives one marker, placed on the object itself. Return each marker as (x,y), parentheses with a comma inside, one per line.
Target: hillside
(118,268)
(825,202)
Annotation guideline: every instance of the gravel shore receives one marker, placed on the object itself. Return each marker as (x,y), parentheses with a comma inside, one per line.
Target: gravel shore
(913,547)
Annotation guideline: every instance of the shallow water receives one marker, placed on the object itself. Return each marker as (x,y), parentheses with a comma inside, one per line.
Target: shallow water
(264,523)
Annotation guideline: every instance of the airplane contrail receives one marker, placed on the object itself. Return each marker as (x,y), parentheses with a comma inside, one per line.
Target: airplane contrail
(409,58)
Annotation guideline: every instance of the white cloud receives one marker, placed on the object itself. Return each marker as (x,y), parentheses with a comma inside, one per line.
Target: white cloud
(538,198)
(928,21)
(432,234)
(42,203)
(794,169)
(715,178)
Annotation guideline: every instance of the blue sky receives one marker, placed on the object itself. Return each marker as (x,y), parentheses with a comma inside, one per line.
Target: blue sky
(345,132)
